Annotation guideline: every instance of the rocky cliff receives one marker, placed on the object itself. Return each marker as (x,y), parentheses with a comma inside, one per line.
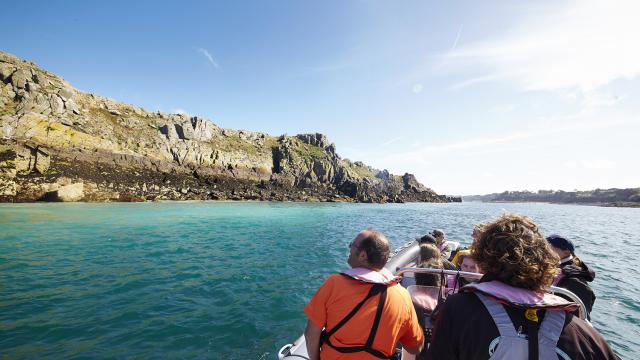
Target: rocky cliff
(61,144)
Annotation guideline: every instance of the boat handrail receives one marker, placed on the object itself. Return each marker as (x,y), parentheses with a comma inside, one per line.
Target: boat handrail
(582,313)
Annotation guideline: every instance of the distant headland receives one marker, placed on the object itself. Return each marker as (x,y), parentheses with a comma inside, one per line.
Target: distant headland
(60,144)
(601,197)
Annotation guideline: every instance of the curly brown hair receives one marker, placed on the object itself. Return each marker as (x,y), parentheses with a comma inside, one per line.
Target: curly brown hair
(513,251)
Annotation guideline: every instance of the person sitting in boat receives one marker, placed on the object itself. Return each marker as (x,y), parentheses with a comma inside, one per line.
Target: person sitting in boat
(443,246)
(507,314)
(364,311)
(430,240)
(465,263)
(575,274)
(429,258)
(426,294)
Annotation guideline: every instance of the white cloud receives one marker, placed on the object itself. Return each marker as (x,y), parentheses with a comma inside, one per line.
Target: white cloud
(502,109)
(583,45)
(209,57)
(179,111)
(417,88)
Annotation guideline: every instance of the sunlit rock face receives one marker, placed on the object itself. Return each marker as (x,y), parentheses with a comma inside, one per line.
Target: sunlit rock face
(60,144)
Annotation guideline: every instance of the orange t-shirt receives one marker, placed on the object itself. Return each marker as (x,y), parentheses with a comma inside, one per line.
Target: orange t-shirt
(339,295)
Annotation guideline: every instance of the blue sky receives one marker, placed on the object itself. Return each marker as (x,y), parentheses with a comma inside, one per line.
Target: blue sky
(472,97)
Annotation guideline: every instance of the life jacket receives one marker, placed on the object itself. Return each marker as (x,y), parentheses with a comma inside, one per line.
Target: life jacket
(380,280)
(539,343)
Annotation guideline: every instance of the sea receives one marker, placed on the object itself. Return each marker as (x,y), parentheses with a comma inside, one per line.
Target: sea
(229,280)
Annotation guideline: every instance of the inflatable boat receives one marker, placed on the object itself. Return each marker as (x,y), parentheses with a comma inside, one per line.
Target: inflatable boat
(402,263)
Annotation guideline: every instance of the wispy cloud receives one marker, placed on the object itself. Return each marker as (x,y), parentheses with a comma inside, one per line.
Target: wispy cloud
(209,57)
(391,141)
(455,42)
(583,45)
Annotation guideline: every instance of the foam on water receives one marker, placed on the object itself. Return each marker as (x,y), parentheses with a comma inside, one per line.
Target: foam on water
(230,280)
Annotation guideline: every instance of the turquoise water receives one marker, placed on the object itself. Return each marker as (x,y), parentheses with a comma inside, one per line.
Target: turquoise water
(230,280)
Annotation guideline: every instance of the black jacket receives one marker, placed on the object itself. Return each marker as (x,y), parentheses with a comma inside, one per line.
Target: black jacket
(575,278)
(464,329)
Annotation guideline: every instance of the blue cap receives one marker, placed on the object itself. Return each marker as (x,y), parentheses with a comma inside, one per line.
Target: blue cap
(560,242)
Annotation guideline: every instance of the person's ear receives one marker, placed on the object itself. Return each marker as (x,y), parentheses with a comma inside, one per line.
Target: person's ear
(362,256)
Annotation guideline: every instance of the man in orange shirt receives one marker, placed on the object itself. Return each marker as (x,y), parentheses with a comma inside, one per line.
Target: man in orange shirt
(364,310)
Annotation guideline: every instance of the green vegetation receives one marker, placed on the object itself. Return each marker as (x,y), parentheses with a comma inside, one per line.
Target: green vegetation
(100,113)
(309,151)
(363,171)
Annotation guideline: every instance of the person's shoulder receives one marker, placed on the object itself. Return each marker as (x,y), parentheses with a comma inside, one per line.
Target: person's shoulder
(337,280)
(399,291)
(580,337)
(462,299)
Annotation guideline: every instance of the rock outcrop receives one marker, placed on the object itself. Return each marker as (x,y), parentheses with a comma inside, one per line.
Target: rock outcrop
(60,144)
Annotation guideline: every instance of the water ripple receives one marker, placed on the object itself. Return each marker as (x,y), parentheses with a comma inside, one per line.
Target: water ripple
(230,280)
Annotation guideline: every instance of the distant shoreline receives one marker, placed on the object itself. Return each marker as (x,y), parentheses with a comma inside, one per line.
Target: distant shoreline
(620,205)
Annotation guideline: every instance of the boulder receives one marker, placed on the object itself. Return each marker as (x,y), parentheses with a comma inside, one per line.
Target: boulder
(65,94)
(68,193)
(42,161)
(19,79)
(56,103)
(6,70)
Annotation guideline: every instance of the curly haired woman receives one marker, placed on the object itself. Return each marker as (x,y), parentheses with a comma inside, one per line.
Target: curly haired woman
(507,314)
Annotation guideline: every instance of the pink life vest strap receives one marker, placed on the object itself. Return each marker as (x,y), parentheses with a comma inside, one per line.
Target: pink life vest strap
(383,276)
(523,298)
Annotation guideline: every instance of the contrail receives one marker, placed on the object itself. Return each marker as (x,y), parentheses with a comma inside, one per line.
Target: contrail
(455,43)
(209,57)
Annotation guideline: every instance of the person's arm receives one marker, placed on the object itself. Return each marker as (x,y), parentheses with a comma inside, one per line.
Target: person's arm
(312,337)
(415,349)
(413,338)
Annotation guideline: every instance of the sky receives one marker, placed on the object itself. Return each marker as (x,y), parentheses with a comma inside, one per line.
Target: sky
(473,97)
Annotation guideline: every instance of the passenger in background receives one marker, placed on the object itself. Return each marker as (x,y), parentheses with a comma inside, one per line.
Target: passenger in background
(425,300)
(428,252)
(429,258)
(575,274)
(444,248)
(465,263)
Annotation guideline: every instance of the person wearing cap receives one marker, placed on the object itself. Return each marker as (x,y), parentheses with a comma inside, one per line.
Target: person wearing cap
(575,274)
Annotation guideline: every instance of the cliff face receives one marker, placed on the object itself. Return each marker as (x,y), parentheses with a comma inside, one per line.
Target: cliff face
(60,144)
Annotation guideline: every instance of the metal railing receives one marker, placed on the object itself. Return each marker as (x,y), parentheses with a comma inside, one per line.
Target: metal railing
(582,312)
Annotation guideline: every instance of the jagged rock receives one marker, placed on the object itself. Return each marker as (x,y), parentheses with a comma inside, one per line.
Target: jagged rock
(19,79)
(56,104)
(6,70)
(317,139)
(411,183)
(42,160)
(65,94)
(71,105)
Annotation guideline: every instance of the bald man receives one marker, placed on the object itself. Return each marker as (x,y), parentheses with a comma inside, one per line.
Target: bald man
(364,311)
